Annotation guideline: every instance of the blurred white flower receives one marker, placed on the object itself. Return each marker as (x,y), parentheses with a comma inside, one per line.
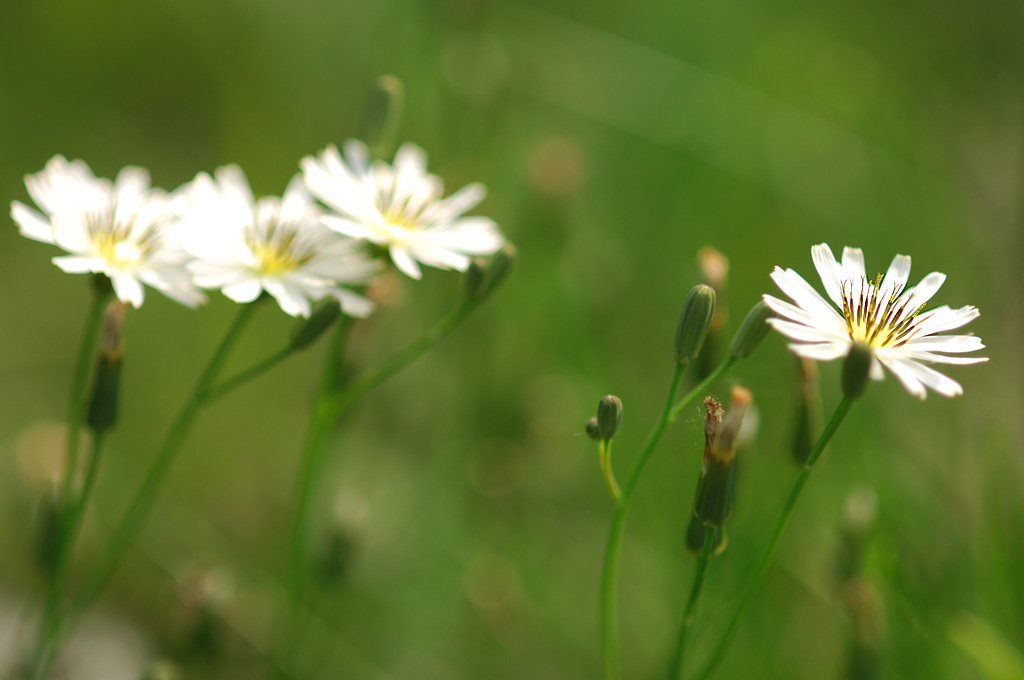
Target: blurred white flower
(246,246)
(884,314)
(399,207)
(123,229)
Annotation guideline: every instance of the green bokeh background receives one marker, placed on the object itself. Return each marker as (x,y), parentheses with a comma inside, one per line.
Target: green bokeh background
(615,139)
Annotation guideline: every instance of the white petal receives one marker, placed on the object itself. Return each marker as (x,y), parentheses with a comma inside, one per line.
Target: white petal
(898,273)
(353,304)
(437,257)
(792,312)
(942,384)
(853,264)
(245,290)
(463,200)
(946,343)
(943,359)
(799,332)
(924,291)
(352,229)
(78,264)
(801,292)
(875,372)
(905,376)
(30,223)
(943,319)
(824,351)
(290,297)
(405,263)
(830,272)
(128,289)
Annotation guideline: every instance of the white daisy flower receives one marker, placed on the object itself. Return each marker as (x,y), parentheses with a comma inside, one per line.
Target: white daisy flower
(122,229)
(399,207)
(245,246)
(882,313)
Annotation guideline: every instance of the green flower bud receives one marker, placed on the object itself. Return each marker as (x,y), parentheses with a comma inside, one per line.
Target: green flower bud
(609,416)
(593,431)
(381,113)
(484,277)
(102,410)
(856,369)
(306,331)
(752,331)
(694,322)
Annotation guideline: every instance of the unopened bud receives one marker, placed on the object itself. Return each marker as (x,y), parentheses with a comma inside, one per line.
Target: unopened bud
(716,490)
(752,331)
(694,322)
(484,277)
(808,411)
(381,114)
(856,369)
(102,412)
(306,331)
(593,431)
(609,416)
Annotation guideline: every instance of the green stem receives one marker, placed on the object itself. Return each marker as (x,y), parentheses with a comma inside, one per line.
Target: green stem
(678,663)
(79,384)
(296,576)
(134,517)
(43,654)
(609,628)
(245,376)
(780,527)
(331,403)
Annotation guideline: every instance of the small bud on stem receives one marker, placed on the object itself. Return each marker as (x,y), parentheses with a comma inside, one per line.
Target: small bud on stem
(752,331)
(102,412)
(715,492)
(381,113)
(694,322)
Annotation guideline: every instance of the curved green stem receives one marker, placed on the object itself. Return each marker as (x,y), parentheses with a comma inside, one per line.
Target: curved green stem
(609,627)
(690,616)
(773,542)
(43,654)
(134,517)
(246,375)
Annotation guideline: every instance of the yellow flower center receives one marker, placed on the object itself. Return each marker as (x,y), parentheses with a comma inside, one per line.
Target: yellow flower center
(877,318)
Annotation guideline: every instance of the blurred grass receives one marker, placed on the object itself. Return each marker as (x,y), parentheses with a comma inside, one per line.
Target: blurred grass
(615,141)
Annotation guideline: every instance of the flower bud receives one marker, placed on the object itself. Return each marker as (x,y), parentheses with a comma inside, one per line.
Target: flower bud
(856,369)
(306,331)
(808,411)
(609,416)
(483,277)
(694,322)
(381,113)
(716,490)
(752,331)
(593,431)
(102,411)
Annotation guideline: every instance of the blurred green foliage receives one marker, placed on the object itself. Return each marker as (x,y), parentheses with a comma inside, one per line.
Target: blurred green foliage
(615,139)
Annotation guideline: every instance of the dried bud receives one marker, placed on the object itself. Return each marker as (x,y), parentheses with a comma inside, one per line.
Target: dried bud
(856,369)
(716,489)
(102,412)
(694,322)
(593,431)
(609,416)
(381,113)
(713,413)
(752,331)
(696,532)
(306,331)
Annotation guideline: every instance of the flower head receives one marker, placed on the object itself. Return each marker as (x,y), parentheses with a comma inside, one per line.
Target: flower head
(399,206)
(246,246)
(123,229)
(882,313)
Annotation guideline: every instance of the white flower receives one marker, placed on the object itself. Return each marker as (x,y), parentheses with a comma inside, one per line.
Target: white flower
(882,313)
(246,246)
(123,229)
(399,206)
